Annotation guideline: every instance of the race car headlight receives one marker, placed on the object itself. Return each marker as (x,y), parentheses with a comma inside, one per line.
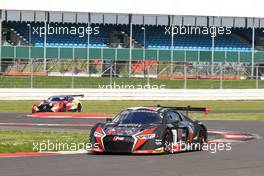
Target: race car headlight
(146,136)
(99,135)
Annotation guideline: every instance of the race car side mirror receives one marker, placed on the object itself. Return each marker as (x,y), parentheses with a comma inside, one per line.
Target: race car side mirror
(108,120)
(198,122)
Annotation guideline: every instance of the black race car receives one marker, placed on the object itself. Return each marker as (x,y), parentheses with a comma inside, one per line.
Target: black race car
(146,130)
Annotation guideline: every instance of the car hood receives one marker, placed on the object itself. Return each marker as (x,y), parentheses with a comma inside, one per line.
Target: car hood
(126,129)
(46,103)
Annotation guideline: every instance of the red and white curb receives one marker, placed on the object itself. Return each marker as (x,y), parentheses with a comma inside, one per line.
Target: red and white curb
(32,154)
(231,136)
(46,125)
(24,154)
(66,115)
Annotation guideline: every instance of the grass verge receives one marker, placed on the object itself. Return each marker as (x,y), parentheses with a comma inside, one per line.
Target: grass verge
(23,141)
(95,82)
(229,116)
(113,107)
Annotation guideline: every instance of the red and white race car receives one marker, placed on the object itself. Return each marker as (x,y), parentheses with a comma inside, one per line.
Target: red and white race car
(59,103)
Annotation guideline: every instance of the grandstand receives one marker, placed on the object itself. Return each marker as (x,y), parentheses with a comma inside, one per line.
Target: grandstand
(155,37)
(127,37)
(22,29)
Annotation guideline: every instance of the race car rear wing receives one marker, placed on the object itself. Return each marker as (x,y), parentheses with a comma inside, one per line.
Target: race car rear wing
(187,109)
(78,95)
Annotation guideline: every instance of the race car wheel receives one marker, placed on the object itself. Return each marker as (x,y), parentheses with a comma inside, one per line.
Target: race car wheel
(201,139)
(167,140)
(203,136)
(63,109)
(79,108)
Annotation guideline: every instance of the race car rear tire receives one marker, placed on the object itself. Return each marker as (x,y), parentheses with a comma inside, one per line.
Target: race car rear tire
(79,108)
(167,141)
(202,138)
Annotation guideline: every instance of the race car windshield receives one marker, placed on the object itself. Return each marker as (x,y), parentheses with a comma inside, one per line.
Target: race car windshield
(137,117)
(50,99)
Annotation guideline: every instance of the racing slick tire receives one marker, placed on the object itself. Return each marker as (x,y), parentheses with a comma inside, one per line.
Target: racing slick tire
(202,138)
(167,141)
(79,108)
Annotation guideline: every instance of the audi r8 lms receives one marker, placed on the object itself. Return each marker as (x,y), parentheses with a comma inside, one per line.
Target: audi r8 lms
(147,130)
(59,103)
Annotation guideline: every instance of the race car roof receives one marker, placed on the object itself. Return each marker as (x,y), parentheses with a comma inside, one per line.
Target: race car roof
(153,108)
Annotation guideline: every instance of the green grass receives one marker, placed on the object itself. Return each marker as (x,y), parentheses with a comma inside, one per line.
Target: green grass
(22,141)
(233,116)
(94,82)
(111,108)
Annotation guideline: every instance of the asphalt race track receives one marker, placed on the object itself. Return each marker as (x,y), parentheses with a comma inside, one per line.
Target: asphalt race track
(245,159)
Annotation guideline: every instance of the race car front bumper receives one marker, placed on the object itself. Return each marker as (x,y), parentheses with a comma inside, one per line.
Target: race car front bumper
(126,144)
(140,143)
